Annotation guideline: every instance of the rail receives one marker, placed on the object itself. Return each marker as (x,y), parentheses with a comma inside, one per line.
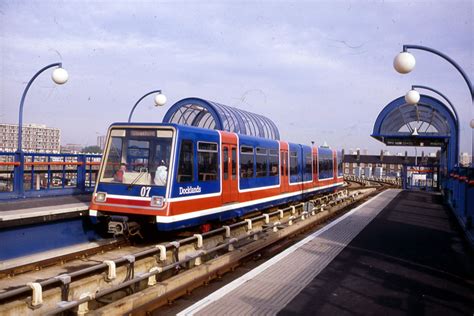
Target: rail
(40,174)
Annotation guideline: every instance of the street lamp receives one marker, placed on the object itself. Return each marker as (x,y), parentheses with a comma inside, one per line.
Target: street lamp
(404,62)
(413,95)
(59,76)
(160,100)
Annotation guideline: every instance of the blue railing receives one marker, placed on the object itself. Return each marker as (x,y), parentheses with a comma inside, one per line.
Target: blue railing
(39,174)
(458,190)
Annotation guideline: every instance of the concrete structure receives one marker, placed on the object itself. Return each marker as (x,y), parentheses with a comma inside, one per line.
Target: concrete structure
(37,138)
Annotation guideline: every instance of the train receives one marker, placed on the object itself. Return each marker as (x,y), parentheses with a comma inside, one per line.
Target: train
(175,176)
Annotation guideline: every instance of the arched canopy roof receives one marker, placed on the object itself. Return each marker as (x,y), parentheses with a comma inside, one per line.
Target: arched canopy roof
(436,125)
(207,114)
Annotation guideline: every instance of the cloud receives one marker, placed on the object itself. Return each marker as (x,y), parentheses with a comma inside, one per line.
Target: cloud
(323,65)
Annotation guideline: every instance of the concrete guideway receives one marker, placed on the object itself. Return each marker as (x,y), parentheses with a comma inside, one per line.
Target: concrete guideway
(240,238)
(271,286)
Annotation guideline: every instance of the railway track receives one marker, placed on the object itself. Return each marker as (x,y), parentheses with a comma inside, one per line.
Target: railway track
(150,277)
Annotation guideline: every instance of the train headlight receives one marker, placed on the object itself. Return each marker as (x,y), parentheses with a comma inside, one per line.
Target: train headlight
(101,197)
(156,201)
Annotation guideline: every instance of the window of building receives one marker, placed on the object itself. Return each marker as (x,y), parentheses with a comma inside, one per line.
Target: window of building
(207,161)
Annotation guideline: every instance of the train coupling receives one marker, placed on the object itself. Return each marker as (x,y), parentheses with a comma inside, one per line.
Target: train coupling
(119,225)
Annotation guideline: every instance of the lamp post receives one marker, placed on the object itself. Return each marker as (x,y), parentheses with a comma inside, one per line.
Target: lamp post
(404,62)
(160,100)
(413,96)
(59,76)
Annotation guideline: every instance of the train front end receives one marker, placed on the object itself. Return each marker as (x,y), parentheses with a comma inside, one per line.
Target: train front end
(134,177)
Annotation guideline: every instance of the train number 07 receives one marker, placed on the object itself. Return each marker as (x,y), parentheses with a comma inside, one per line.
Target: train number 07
(145,191)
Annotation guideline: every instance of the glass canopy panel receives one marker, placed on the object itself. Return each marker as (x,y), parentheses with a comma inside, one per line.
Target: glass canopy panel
(207,114)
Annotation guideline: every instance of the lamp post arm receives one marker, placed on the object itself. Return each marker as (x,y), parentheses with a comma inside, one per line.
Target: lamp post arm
(446,57)
(143,97)
(442,95)
(452,107)
(20,120)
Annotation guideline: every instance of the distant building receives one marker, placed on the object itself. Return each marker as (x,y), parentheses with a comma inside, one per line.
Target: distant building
(101,141)
(381,165)
(36,138)
(71,148)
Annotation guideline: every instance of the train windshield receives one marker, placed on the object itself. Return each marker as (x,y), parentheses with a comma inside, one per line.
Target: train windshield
(138,157)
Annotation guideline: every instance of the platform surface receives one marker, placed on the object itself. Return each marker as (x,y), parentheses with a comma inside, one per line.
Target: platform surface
(399,253)
(27,208)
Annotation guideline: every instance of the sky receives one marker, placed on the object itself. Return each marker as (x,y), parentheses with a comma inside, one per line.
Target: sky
(321,70)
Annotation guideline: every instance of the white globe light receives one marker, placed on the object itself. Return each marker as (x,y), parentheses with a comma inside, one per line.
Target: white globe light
(412,97)
(60,75)
(404,62)
(472,123)
(160,99)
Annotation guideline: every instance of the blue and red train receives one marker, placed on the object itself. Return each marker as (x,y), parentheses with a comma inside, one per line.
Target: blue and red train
(176,176)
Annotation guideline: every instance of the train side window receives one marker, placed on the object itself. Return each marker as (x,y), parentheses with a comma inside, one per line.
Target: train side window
(273,162)
(246,162)
(185,165)
(283,164)
(207,161)
(325,164)
(225,162)
(234,163)
(308,172)
(262,162)
(315,165)
(293,163)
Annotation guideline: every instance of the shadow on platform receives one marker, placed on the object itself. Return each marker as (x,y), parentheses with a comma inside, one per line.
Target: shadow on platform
(411,259)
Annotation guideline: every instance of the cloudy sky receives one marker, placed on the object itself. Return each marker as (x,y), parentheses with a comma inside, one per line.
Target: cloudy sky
(322,70)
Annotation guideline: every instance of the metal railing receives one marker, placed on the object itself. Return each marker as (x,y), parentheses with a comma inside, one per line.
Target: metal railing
(458,191)
(40,174)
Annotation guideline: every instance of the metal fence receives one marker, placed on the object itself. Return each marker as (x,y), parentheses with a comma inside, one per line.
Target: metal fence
(39,174)
(458,190)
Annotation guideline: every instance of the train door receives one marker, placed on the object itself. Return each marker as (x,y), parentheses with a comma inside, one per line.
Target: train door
(284,170)
(229,173)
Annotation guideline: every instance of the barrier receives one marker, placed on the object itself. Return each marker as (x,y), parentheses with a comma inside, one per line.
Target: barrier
(39,174)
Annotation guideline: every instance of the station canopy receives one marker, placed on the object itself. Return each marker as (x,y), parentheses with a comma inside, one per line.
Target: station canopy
(429,123)
(207,114)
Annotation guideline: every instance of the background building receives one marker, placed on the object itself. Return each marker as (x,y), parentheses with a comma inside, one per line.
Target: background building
(101,141)
(36,138)
(71,148)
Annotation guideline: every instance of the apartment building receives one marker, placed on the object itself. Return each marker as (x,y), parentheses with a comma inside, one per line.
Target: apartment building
(36,138)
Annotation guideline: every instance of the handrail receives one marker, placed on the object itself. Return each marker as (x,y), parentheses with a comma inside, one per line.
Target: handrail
(36,174)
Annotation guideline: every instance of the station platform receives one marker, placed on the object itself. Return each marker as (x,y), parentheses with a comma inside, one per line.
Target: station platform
(30,211)
(399,253)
